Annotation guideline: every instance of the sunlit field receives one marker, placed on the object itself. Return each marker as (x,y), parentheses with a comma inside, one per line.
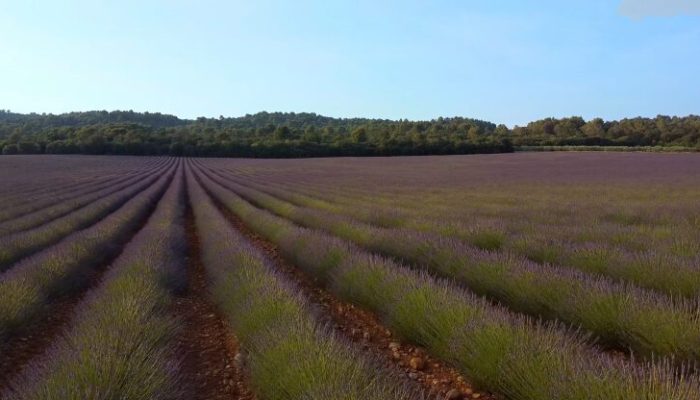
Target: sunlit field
(512,276)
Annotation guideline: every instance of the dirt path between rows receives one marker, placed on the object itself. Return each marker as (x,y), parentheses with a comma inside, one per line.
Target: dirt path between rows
(206,345)
(362,327)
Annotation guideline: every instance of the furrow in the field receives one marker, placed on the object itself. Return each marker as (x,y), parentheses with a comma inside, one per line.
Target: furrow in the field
(205,344)
(505,352)
(121,340)
(639,259)
(290,353)
(366,208)
(27,204)
(65,207)
(39,293)
(680,278)
(22,244)
(362,327)
(449,206)
(621,316)
(38,189)
(64,187)
(305,186)
(24,176)
(21,204)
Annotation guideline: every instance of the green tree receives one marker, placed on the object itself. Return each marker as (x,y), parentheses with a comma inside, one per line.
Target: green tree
(311,134)
(283,133)
(359,135)
(474,134)
(594,128)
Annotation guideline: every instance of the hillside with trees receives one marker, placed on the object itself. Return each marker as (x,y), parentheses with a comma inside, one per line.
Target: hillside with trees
(310,135)
(575,131)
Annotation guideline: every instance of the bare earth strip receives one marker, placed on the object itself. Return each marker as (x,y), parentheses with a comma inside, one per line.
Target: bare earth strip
(206,344)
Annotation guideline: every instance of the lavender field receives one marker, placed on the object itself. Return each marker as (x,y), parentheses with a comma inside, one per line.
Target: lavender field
(525,276)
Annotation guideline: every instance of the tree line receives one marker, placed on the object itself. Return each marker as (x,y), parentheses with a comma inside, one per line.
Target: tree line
(575,131)
(309,135)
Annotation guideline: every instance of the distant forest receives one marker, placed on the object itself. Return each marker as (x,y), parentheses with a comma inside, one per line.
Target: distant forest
(310,135)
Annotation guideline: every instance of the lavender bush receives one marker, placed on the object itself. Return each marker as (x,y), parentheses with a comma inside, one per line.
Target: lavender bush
(121,342)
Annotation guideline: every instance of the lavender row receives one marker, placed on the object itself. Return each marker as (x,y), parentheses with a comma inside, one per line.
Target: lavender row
(649,269)
(27,203)
(65,207)
(66,267)
(16,246)
(569,212)
(623,316)
(121,344)
(57,190)
(506,353)
(628,231)
(275,324)
(24,177)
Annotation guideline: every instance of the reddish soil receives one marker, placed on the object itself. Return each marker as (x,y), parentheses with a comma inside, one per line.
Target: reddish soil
(360,326)
(206,344)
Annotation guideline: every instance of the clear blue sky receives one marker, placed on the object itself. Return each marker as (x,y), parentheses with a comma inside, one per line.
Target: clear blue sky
(504,61)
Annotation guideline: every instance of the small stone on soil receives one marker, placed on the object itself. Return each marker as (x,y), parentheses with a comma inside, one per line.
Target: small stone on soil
(417,363)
